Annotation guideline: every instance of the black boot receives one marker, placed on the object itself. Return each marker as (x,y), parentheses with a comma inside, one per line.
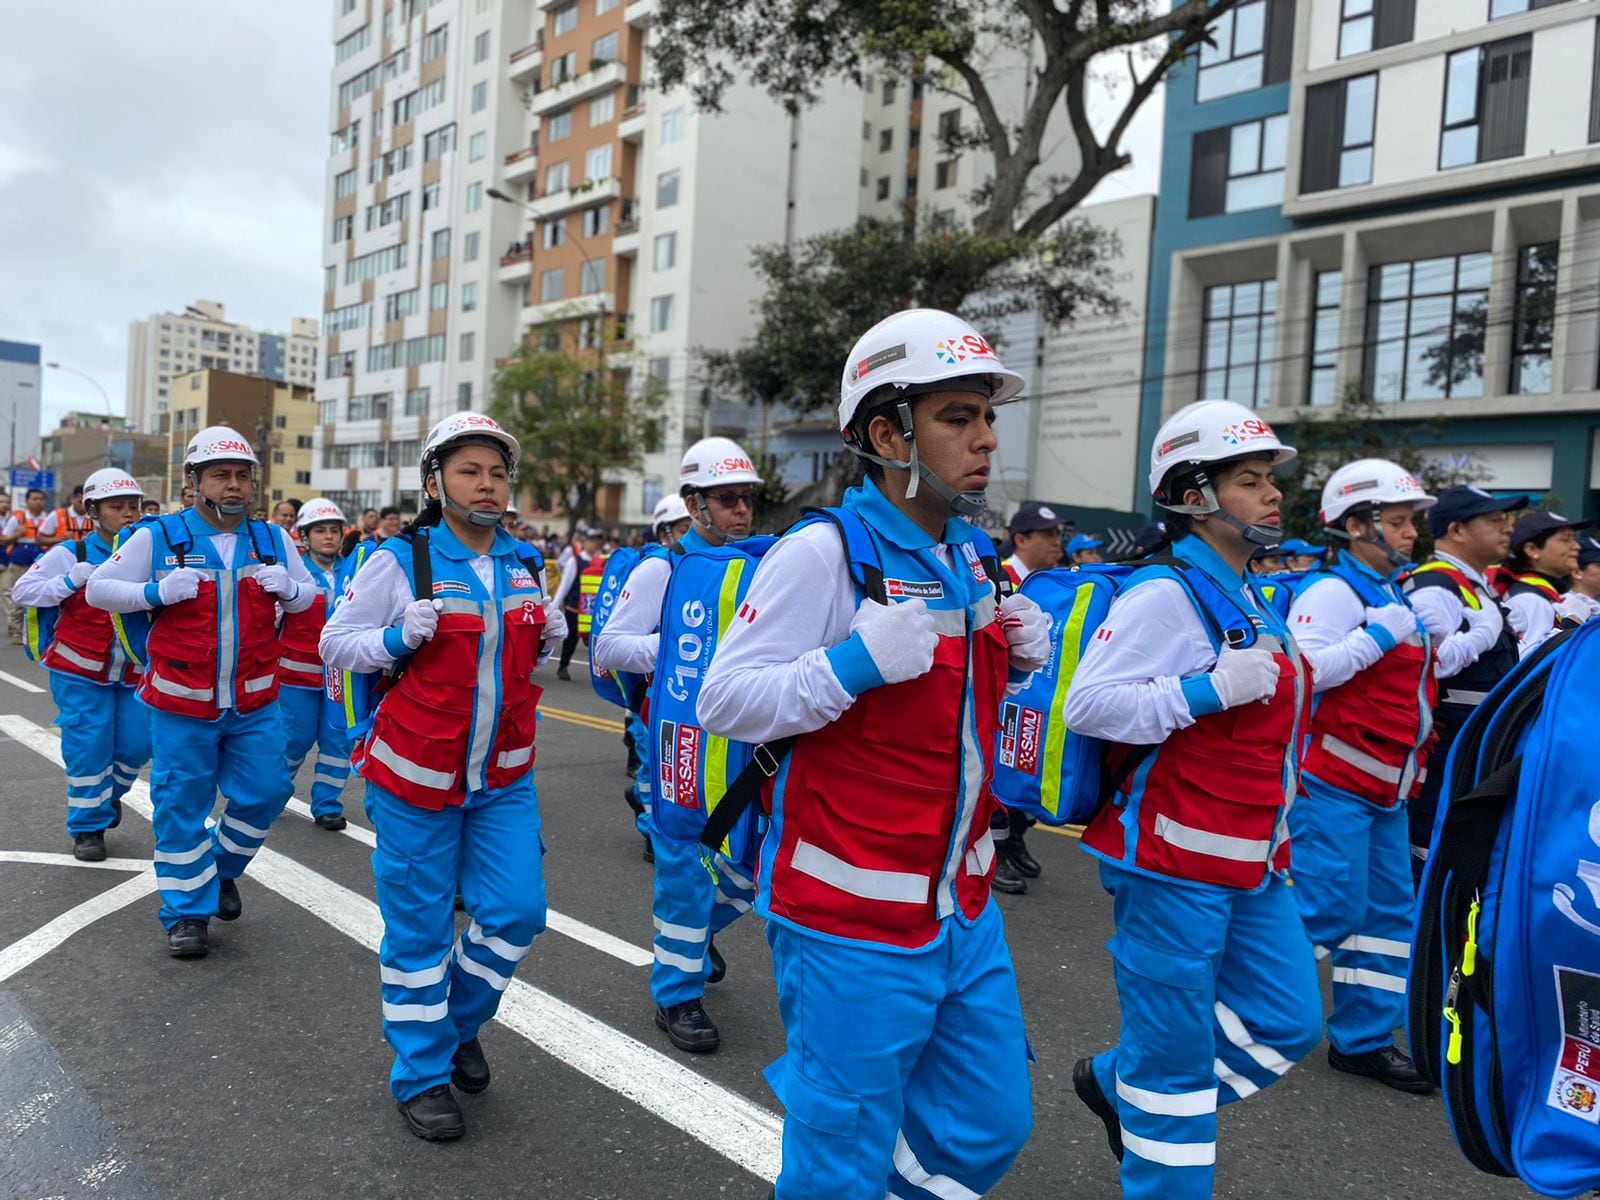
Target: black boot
(1006,879)
(561,673)
(434,1115)
(649,848)
(89,847)
(719,967)
(1021,861)
(189,939)
(1088,1089)
(229,905)
(116,819)
(1387,1064)
(631,799)
(689,1027)
(471,1068)
(332,822)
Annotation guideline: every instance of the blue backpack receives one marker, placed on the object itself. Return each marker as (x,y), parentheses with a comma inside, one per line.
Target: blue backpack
(132,629)
(1043,768)
(1505,964)
(1280,589)
(622,688)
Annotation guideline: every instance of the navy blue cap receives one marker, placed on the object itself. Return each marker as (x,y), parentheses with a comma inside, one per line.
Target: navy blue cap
(1588,551)
(1464,502)
(1152,535)
(1034,516)
(1276,551)
(1537,524)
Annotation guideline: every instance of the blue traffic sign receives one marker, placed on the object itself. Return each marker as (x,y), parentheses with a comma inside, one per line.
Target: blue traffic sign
(22,478)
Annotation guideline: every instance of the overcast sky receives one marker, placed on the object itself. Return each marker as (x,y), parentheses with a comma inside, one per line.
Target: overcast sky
(155,152)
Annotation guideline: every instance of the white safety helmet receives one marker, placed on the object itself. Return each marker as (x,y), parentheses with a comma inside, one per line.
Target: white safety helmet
(108,483)
(218,443)
(1205,433)
(315,512)
(468,428)
(1370,481)
(712,462)
(915,349)
(670,511)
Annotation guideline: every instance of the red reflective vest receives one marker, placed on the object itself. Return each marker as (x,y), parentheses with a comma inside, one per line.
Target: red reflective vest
(1208,807)
(873,802)
(300,660)
(83,644)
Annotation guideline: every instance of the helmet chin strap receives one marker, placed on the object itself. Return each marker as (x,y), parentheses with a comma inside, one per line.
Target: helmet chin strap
(709,531)
(962,504)
(1394,558)
(229,508)
(481,518)
(1256,535)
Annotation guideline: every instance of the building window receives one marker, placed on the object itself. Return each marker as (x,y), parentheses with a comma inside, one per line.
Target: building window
(441,243)
(1341,118)
(885,140)
(480,47)
(354,44)
(469,247)
(1236,342)
(416,402)
(480,96)
(463,397)
(596,220)
(555,178)
(661,370)
(1375,25)
(672,126)
(602,109)
(433,44)
(467,340)
(469,299)
(883,187)
(660,314)
(597,164)
(605,49)
(667,189)
(431,195)
(601,7)
(566,19)
(558,125)
(1425,325)
(552,285)
(1253,46)
(555,232)
(437,142)
(1486,102)
(1324,338)
(344,228)
(476,146)
(1510,8)
(888,91)
(439,296)
(666,251)
(592,276)
(1533,319)
(344,184)
(944,173)
(563,67)
(1238,168)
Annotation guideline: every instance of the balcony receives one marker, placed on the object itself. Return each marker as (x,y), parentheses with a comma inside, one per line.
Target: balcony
(626,241)
(516,264)
(581,196)
(596,79)
(640,12)
(631,127)
(525,63)
(522,164)
(567,309)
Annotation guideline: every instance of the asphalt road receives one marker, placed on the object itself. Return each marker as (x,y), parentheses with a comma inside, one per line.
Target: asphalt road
(261,1070)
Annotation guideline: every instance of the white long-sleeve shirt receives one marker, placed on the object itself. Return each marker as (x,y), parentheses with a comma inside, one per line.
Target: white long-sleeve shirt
(374,601)
(119,584)
(1534,619)
(632,633)
(1442,611)
(1329,623)
(47,583)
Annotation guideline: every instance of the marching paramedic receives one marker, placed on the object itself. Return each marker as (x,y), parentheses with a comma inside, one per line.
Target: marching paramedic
(1544,558)
(1215,978)
(717,483)
(309,720)
(105,731)
(448,760)
(906,1064)
(215,581)
(1372,663)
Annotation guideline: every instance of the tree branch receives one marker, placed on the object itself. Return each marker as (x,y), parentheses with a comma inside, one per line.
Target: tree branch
(993,127)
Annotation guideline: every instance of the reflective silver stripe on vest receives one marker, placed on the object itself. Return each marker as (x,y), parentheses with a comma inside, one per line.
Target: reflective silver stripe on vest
(508,759)
(167,688)
(971,789)
(78,660)
(227,637)
(486,705)
(441,781)
(1215,845)
(983,611)
(1463,696)
(1360,759)
(259,684)
(895,887)
(981,855)
(289,664)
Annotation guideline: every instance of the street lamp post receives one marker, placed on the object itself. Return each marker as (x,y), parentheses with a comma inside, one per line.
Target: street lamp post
(110,418)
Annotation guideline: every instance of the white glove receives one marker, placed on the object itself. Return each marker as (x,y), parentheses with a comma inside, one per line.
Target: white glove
(80,574)
(1398,620)
(900,638)
(1575,606)
(1027,630)
(274,578)
(1241,676)
(420,620)
(182,584)
(1485,625)
(555,624)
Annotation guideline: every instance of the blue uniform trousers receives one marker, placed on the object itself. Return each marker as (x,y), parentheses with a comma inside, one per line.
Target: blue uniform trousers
(105,739)
(1219,997)
(438,988)
(904,1073)
(1352,882)
(238,754)
(643,774)
(307,720)
(698,894)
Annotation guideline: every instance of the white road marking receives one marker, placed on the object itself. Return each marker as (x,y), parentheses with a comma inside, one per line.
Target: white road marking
(66,860)
(736,1127)
(21,683)
(26,951)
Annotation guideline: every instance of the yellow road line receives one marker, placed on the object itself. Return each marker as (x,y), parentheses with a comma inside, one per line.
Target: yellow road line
(1071,831)
(584,719)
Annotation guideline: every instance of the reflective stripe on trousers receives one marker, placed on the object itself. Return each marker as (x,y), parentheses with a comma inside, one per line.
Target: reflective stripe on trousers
(693,902)
(105,739)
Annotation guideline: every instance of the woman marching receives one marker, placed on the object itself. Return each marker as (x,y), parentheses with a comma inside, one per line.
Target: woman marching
(454,612)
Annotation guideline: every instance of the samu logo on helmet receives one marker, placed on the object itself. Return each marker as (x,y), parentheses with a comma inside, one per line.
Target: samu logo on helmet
(959,349)
(1247,431)
(226,444)
(727,465)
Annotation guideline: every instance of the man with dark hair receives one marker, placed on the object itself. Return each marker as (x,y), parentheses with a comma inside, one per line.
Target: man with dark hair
(22,536)
(388,522)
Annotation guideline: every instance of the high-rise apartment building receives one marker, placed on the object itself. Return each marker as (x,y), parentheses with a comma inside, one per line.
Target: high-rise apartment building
(165,345)
(1401,196)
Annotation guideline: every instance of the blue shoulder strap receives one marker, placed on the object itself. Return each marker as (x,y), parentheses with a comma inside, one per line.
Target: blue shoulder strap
(866,568)
(173,523)
(268,553)
(531,556)
(1170,566)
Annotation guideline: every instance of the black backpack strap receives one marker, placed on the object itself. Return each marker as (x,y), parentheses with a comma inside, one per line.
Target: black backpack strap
(421,564)
(991,565)
(80,547)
